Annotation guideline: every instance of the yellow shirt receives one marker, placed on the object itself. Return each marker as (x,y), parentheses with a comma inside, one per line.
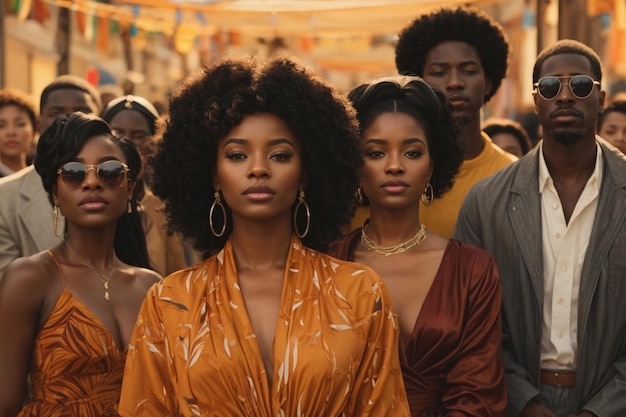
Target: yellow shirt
(193,351)
(440,217)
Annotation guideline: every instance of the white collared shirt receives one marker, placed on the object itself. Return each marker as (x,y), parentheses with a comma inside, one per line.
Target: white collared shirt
(564,247)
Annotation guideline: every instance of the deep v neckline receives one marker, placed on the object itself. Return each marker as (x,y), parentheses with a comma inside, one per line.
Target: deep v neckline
(286,297)
(83,307)
(97,322)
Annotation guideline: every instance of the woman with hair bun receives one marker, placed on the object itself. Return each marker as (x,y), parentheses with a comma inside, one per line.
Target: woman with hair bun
(446,293)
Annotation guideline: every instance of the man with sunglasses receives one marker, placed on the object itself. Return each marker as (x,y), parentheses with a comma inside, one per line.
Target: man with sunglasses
(25,214)
(555,222)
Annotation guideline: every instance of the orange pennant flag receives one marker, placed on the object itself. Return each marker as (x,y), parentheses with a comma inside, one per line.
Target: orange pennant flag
(597,7)
(102,34)
(41,12)
(81,21)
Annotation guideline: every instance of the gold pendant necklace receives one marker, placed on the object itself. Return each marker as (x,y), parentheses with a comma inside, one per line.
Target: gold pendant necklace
(369,244)
(105,280)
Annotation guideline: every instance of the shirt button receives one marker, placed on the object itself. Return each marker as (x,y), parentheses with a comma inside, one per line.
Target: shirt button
(558,236)
(561,300)
(555,205)
(559,334)
(563,267)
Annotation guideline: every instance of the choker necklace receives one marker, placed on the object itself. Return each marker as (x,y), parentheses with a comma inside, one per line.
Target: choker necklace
(369,244)
(105,280)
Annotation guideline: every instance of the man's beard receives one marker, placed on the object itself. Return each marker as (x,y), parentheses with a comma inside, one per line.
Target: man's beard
(567,137)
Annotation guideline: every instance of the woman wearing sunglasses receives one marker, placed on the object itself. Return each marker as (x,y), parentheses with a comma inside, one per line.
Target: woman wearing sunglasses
(267,326)
(66,314)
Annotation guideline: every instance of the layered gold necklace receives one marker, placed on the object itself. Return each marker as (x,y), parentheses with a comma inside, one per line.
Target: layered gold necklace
(105,280)
(370,245)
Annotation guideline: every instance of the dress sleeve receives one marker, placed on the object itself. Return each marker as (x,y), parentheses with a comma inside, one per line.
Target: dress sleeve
(378,390)
(147,388)
(475,384)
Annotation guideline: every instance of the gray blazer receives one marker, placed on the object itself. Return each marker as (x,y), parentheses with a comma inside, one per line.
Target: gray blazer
(502,214)
(25,217)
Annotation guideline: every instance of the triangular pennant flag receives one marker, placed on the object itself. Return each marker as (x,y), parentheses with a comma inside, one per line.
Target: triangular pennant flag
(102,37)
(81,21)
(41,12)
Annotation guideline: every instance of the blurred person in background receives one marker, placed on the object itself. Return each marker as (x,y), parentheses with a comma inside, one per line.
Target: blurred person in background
(529,120)
(109,92)
(508,134)
(612,124)
(135,118)
(18,125)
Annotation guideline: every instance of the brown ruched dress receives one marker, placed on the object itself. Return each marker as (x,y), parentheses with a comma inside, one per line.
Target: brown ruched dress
(452,364)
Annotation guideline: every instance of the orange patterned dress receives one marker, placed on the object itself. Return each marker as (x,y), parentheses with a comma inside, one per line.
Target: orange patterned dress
(76,368)
(194,352)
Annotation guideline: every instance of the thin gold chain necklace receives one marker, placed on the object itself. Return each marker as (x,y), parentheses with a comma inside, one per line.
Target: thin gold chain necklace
(369,244)
(105,280)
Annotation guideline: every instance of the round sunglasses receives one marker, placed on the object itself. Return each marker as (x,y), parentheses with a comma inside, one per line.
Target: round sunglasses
(110,173)
(580,86)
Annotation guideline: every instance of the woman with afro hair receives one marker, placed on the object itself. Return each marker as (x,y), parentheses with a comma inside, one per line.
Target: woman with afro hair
(462,52)
(257,164)
(446,293)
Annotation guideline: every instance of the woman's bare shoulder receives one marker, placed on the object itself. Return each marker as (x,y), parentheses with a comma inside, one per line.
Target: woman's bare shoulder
(30,271)
(141,277)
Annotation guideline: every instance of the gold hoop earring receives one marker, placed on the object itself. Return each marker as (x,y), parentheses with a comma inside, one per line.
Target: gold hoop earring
(55,220)
(129,207)
(429,195)
(301,202)
(217,202)
(359,195)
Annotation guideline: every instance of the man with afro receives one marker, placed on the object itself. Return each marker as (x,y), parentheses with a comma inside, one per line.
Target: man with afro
(462,52)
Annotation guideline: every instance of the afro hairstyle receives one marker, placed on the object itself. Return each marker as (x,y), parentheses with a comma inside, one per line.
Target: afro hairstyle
(209,104)
(461,24)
